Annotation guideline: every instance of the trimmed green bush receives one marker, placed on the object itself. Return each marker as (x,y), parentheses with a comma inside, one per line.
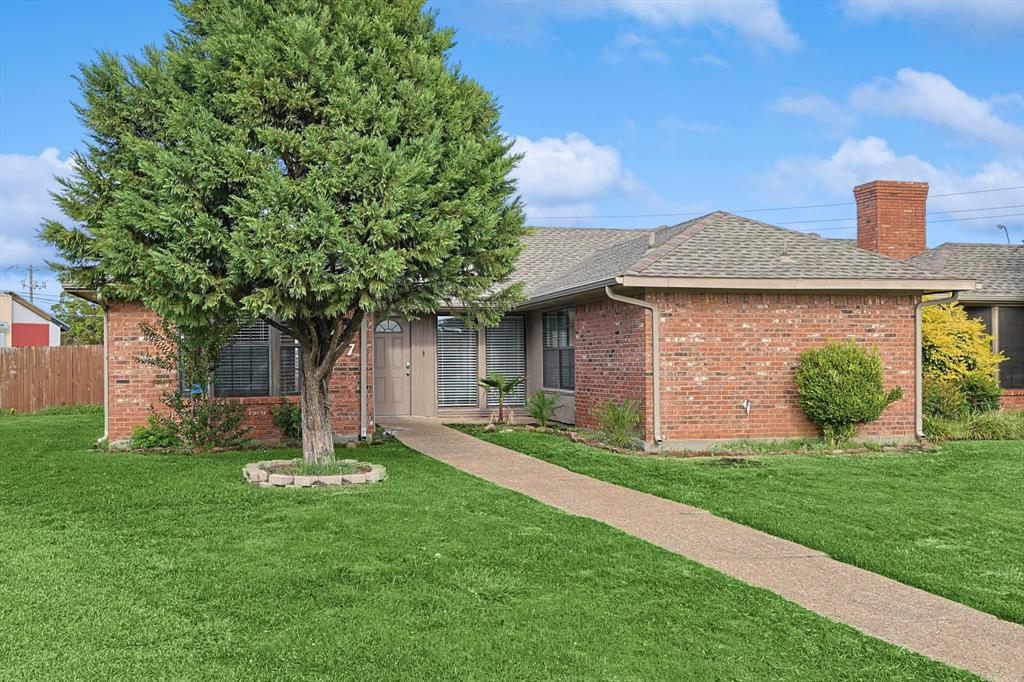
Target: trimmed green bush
(541,407)
(982,392)
(159,432)
(288,418)
(840,386)
(620,424)
(942,398)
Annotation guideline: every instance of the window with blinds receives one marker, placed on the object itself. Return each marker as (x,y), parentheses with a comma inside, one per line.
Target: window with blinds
(506,353)
(559,351)
(251,361)
(457,363)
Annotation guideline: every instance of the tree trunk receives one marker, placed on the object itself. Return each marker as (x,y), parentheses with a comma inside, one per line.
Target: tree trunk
(317,436)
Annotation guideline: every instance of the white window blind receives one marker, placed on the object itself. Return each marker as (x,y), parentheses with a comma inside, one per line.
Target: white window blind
(457,363)
(506,353)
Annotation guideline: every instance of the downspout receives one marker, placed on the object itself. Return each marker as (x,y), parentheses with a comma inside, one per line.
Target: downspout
(106,371)
(655,353)
(918,381)
(362,379)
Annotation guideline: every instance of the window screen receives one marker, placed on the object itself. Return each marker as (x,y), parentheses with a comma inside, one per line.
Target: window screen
(457,364)
(559,353)
(1011,344)
(983,314)
(506,353)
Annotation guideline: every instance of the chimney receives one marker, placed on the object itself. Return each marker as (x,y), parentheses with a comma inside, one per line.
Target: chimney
(891,217)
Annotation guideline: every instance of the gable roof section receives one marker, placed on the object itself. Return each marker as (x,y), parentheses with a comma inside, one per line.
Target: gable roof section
(719,250)
(32,307)
(998,268)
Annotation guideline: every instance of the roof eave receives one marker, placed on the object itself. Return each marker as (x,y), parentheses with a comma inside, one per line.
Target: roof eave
(799,284)
(535,301)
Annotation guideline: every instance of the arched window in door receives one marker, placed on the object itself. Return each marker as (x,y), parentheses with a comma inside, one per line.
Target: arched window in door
(388,327)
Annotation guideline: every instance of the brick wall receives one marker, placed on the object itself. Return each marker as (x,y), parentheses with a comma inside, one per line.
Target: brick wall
(719,349)
(613,360)
(1013,399)
(135,388)
(891,217)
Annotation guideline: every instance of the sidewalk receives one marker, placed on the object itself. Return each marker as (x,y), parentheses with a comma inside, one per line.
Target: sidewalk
(906,616)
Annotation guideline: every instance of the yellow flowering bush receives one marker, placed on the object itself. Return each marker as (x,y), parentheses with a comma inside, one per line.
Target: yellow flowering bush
(955,346)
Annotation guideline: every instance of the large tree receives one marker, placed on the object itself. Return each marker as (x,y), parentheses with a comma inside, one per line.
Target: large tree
(84,320)
(307,162)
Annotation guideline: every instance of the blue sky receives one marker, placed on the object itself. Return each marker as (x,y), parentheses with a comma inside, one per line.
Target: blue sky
(647,112)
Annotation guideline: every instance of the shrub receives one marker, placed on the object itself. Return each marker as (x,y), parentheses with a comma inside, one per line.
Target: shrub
(159,432)
(620,423)
(541,407)
(978,426)
(202,422)
(840,386)
(288,418)
(954,346)
(982,392)
(73,409)
(942,398)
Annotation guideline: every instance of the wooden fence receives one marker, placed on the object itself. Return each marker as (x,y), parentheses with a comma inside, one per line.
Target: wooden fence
(36,377)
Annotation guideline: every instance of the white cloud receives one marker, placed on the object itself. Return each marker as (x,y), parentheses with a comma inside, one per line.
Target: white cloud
(25,184)
(871,158)
(634,43)
(756,20)
(1000,15)
(564,176)
(710,60)
(817,106)
(932,97)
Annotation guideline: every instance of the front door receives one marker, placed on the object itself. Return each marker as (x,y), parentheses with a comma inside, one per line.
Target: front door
(391,367)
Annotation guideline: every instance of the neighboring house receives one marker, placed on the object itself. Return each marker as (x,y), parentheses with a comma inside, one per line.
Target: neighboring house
(998,300)
(22,323)
(734,303)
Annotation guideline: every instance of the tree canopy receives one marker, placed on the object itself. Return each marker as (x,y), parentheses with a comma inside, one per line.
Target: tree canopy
(84,320)
(303,161)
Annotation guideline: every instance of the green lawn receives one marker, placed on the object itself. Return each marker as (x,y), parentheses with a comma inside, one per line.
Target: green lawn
(949,522)
(125,566)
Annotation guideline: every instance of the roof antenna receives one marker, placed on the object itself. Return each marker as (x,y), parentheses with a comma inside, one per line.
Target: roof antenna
(784,257)
(1003,228)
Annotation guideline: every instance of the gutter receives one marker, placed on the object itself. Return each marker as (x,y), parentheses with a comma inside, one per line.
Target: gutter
(362,379)
(655,353)
(106,370)
(918,409)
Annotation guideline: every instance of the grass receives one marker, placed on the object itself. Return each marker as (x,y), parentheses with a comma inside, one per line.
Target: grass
(789,445)
(122,566)
(332,468)
(947,521)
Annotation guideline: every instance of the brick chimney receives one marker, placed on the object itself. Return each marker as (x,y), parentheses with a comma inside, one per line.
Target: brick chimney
(891,217)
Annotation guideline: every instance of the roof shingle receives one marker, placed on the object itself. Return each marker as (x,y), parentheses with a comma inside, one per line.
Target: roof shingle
(997,268)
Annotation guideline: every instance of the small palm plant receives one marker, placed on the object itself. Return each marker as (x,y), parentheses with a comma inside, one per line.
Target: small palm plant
(496,381)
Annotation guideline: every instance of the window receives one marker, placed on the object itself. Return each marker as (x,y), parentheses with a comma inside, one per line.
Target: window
(388,327)
(258,361)
(559,353)
(983,314)
(457,363)
(506,353)
(1011,344)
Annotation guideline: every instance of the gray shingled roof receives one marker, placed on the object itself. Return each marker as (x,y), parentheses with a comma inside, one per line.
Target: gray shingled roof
(998,268)
(718,245)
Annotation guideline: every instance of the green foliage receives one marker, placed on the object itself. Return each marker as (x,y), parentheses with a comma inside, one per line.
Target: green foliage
(201,422)
(496,381)
(955,346)
(840,386)
(329,467)
(288,418)
(80,408)
(993,425)
(159,432)
(302,162)
(85,320)
(541,407)
(981,391)
(942,398)
(620,423)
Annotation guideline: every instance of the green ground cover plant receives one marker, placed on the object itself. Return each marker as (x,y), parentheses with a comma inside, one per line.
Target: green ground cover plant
(119,566)
(947,521)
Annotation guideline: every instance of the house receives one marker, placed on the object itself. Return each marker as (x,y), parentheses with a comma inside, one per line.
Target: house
(998,300)
(701,323)
(22,323)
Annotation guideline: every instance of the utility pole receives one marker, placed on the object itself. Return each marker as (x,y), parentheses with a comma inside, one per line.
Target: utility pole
(31,286)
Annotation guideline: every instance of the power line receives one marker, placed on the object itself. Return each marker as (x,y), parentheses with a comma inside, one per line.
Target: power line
(963,210)
(757,210)
(944,220)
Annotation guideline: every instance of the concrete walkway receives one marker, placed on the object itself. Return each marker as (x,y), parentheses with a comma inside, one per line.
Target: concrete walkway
(903,615)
